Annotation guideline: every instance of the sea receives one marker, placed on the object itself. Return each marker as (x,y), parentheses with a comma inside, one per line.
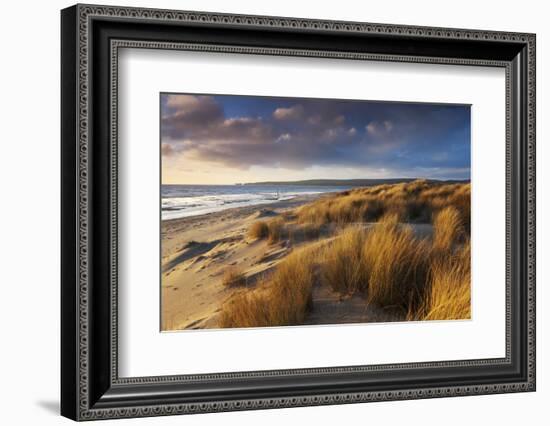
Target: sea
(193,200)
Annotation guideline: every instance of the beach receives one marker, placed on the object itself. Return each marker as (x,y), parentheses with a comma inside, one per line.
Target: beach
(196,250)
(391,252)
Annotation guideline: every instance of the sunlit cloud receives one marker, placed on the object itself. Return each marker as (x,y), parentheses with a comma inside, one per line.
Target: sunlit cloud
(243,133)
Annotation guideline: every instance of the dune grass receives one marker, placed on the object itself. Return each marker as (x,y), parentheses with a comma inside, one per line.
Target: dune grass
(413,202)
(371,250)
(397,264)
(343,266)
(394,269)
(271,229)
(385,263)
(233,277)
(275,229)
(448,229)
(448,296)
(258,230)
(281,298)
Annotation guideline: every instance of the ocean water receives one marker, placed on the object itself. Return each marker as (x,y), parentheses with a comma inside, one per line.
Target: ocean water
(193,200)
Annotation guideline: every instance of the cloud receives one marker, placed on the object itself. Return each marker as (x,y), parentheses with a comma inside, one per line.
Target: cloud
(244,129)
(378,128)
(339,120)
(248,140)
(241,132)
(186,115)
(285,137)
(167,149)
(292,113)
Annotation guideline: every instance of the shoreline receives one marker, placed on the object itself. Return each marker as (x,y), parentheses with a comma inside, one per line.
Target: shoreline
(191,228)
(288,203)
(249,209)
(196,250)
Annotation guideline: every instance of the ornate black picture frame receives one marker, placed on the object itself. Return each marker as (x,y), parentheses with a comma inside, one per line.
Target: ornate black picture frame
(91,387)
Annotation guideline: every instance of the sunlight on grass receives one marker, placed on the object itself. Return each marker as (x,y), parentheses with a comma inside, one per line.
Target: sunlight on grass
(370,249)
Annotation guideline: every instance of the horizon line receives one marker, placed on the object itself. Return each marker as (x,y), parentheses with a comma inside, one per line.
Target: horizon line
(325,179)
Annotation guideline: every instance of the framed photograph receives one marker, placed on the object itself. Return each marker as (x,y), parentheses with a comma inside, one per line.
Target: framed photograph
(263,212)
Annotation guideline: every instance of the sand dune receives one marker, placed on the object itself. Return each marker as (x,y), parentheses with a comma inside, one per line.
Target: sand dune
(196,251)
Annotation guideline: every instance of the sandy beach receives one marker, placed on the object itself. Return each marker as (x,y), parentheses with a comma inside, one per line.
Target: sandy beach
(196,251)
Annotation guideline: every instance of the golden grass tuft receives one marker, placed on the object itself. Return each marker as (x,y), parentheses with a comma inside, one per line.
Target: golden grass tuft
(447,229)
(233,277)
(343,267)
(275,228)
(461,200)
(258,230)
(394,269)
(396,263)
(245,310)
(449,294)
(272,229)
(282,298)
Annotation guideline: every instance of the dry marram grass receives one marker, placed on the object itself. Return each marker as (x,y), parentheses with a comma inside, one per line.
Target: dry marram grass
(371,249)
(258,230)
(447,229)
(282,298)
(271,229)
(343,268)
(396,263)
(233,277)
(448,296)
(413,202)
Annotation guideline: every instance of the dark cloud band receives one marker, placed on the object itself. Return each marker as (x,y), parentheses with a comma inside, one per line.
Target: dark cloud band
(240,132)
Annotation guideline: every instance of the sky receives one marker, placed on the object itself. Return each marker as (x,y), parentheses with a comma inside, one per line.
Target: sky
(228,139)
